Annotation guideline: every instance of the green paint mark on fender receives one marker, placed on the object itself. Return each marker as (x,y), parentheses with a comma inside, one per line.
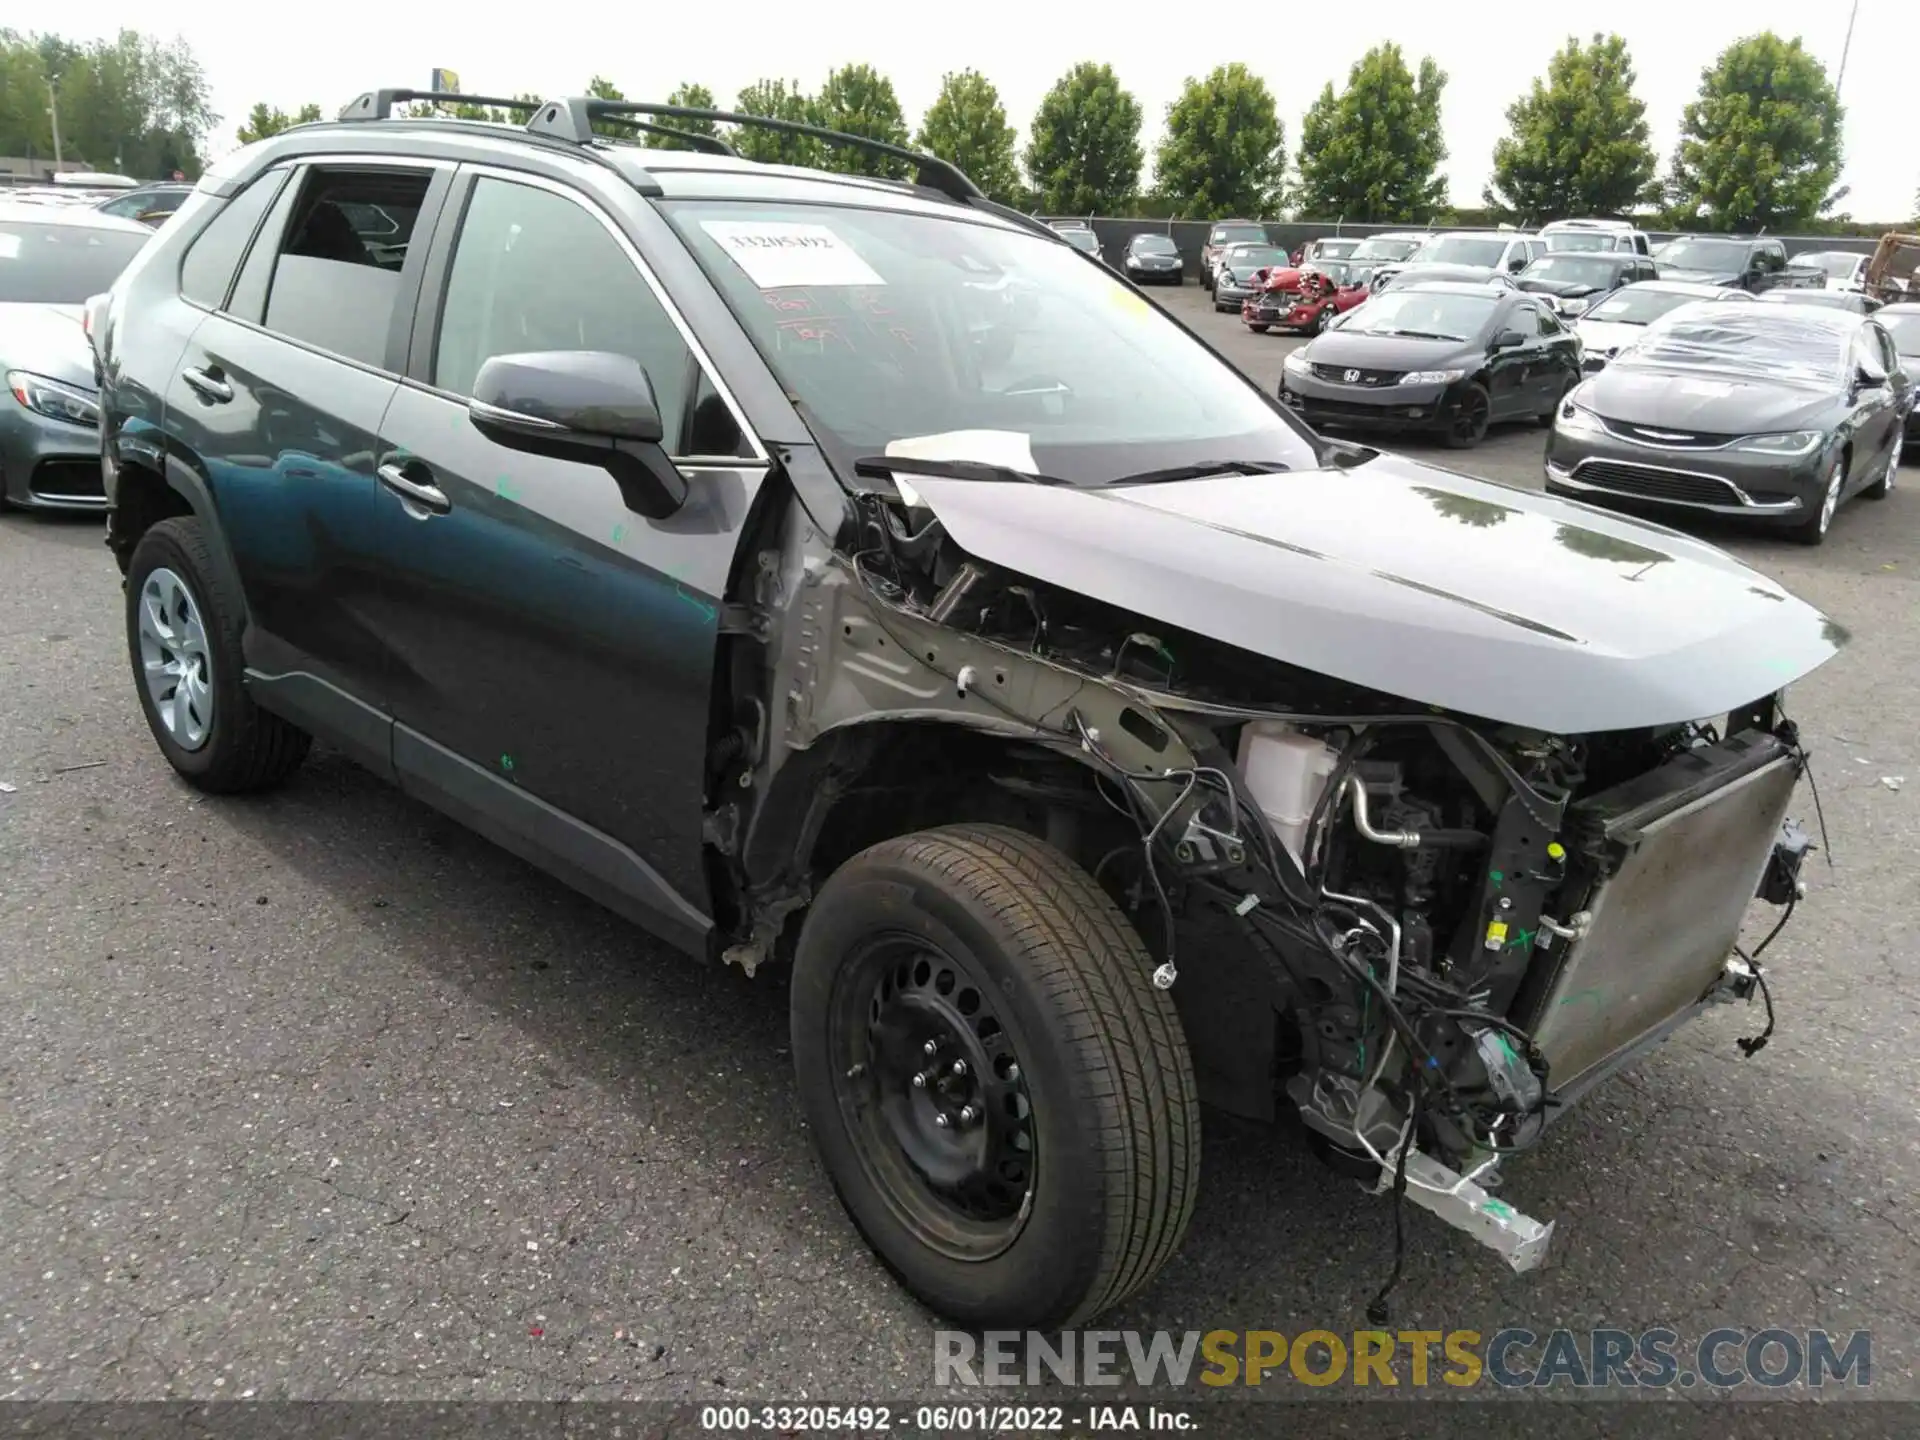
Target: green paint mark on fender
(619,534)
(506,763)
(1522,940)
(702,606)
(506,489)
(1591,996)
(1499,1209)
(1496,877)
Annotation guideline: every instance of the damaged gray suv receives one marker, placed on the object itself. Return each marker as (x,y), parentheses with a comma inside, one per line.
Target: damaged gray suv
(836,574)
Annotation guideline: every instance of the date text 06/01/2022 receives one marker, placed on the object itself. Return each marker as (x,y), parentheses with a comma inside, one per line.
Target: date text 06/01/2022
(939,1419)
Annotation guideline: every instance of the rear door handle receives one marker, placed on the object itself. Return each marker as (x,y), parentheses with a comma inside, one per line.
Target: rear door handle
(422,493)
(208,385)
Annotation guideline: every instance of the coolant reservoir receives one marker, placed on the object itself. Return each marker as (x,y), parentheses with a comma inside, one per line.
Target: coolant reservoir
(1285,771)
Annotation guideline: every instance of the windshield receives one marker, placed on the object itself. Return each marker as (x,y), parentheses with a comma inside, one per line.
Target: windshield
(1705,254)
(1338,271)
(1905,330)
(1153,245)
(1230,234)
(1826,299)
(1081,239)
(1573,270)
(1760,342)
(1334,249)
(1637,305)
(1379,248)
(1835,264)
(61,264)
(1423,314)
(1583,241)
(1462,250)
(1255,255)
(895,328)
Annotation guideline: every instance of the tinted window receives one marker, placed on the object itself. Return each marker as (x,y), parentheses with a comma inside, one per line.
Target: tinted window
(333,286)
(1889,357)
(1462,250)
(534,270)
(61,264)
(1773,257)
(208,268)
(1434,314)
(1153,245)
(1547,323)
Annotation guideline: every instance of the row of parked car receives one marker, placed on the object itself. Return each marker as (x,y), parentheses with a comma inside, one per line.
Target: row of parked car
(1676,389)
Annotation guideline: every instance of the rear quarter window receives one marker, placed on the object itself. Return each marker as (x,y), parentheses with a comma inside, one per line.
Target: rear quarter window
(206,272)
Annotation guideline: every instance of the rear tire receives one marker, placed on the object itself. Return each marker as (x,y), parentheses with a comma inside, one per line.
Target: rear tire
(180,605)
(1064,1174)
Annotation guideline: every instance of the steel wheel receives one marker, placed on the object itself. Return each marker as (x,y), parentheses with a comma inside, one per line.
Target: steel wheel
(175,660)
(926,1066)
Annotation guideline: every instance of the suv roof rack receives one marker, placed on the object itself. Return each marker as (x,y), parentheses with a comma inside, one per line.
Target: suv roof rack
(379,105)
(572,119)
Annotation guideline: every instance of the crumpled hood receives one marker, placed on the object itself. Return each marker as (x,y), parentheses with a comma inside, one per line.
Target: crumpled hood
(48,340)
(1435,587)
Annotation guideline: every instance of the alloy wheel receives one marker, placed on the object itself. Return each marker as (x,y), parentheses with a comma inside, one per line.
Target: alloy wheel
(174,659)
(1830,499)
(1892,477)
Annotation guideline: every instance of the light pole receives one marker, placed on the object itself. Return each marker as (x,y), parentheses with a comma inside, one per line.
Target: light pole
(1845,46)
(53,113)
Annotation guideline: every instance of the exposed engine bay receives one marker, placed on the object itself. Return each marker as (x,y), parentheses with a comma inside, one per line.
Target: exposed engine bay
(1422,932)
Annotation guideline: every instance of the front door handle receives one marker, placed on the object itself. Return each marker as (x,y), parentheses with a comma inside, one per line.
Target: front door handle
(423,494)
(208,385)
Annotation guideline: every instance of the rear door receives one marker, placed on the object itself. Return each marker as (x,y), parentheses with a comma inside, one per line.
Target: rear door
(1510,372)
(280,395)
(549,642)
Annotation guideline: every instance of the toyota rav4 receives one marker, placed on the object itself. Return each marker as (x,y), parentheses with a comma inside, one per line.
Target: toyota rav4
(838,573)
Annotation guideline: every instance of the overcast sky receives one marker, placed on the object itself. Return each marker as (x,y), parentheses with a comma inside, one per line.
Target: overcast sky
(1490,53)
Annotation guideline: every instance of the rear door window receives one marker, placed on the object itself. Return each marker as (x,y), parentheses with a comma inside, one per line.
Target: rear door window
(206,273)
(336,272)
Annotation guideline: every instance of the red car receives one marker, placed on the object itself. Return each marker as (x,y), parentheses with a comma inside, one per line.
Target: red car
(1306,300)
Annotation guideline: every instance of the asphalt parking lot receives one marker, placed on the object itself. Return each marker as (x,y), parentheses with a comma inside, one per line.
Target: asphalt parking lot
(317,1096)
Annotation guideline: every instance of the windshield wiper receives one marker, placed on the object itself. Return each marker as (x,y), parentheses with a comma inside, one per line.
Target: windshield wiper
(1200,471)
(1413,334)
(888,467)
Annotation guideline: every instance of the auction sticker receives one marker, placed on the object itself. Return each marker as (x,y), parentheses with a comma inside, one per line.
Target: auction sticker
(778,254)
(9,247)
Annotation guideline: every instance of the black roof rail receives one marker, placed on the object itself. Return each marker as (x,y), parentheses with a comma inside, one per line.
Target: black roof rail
(706,144)
(572,119)
(378,104)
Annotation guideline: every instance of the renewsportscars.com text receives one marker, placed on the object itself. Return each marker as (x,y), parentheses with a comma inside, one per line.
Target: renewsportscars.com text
(1512,1358)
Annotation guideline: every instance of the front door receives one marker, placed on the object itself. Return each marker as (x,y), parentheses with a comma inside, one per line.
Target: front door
(543,634)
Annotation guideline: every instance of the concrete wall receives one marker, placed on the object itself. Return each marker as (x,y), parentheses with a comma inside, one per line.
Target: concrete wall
(1190,235)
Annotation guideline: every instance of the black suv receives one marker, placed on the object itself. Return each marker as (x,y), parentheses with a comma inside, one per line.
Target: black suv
(837,570)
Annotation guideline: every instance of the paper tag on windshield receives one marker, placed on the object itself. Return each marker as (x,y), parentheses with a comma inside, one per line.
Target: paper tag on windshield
(776,255)
(1010,448)
(9,247)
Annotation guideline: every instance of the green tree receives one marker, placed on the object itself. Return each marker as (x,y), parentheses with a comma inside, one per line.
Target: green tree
(1083,155)
(1579,142)
(1373,151)
(1224,152)
(132,103)
(1761,144)
(693,97)
(601,88)
(859,100)
(967,126)
(777,100)
(264,120)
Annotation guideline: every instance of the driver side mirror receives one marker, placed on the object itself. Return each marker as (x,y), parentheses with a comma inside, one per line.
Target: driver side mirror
(588,406)
(1517,263)
(1508,340)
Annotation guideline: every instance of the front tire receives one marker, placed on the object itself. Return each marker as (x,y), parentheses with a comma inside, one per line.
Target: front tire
(1889,477)
(1043,1165)
(1833,483)
(1471,414)
(183,638)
